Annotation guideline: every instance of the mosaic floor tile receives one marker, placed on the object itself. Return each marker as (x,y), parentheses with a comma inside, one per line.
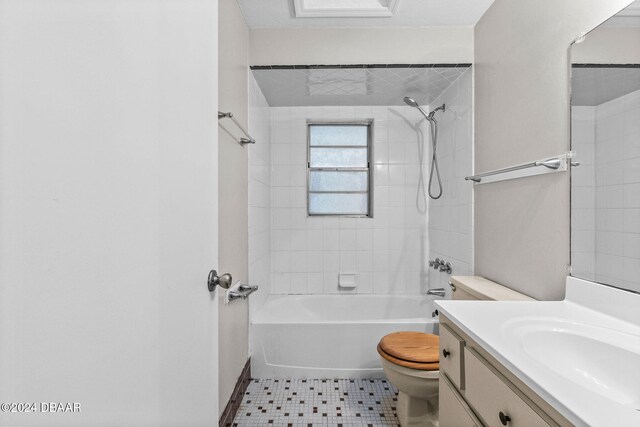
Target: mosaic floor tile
(310,403)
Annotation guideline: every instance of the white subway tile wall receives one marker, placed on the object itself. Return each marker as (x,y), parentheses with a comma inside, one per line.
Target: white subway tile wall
(390,251)
(387,251)
(605,213)
(450,217)
(259,195)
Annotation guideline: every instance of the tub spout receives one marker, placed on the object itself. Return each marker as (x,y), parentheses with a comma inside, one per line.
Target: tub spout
(437,292)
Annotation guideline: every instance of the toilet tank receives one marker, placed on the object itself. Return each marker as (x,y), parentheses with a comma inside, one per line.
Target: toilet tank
(479,288)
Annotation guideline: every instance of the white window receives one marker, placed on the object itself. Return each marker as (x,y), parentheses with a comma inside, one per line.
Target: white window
(339,180)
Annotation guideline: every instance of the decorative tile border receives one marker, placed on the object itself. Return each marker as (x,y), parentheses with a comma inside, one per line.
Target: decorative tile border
(236,397)
(605,65)
(335,66)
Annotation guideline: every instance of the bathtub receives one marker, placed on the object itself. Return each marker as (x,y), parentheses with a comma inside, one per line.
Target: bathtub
(331,336)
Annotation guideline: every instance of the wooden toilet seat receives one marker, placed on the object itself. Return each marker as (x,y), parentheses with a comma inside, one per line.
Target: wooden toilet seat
(414,350)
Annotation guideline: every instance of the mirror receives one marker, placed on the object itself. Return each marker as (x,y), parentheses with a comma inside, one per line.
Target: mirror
(605,134)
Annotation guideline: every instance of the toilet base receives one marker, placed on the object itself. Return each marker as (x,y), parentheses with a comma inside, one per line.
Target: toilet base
(417,411)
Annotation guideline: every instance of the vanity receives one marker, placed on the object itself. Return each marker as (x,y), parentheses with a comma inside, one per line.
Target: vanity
(542,363)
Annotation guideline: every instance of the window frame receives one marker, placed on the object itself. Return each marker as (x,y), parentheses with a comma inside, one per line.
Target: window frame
(369,147)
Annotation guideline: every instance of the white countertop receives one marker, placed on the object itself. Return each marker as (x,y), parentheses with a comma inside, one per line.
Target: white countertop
(589,307)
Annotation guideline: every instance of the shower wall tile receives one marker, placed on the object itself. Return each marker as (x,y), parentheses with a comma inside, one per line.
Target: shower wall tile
(617,191)
(388,251)
(450,232)
(260,181)
(605,225)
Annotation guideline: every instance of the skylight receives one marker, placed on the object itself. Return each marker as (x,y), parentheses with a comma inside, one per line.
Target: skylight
(344,8)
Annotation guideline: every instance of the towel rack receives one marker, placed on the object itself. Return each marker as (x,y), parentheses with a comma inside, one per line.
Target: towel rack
(242,141)
(539,167)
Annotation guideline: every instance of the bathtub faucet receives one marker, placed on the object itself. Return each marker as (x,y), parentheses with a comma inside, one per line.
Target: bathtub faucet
(437,292)
(441,265)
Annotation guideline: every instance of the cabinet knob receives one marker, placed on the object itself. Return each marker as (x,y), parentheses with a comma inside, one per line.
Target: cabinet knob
(504,418)
(446,354)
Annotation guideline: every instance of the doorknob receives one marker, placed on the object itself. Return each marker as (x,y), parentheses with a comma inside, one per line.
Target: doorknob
(214,280)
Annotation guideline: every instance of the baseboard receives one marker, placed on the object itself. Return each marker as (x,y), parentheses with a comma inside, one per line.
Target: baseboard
(229,413)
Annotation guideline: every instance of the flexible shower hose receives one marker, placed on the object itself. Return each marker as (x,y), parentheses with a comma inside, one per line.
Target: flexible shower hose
(434,159)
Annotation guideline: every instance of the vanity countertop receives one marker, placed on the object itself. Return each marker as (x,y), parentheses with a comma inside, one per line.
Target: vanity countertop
(582,354)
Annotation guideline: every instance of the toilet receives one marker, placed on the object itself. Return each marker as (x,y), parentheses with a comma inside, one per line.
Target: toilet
(410,359)
(410,362)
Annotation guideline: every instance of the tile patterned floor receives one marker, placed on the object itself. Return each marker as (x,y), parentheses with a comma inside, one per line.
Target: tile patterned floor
(307,403)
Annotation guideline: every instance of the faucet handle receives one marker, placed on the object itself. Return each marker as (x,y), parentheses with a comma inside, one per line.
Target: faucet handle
(446,267)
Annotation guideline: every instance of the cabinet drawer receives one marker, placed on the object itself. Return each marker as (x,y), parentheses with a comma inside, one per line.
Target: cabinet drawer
(490,394)
(454,411)
(451,356)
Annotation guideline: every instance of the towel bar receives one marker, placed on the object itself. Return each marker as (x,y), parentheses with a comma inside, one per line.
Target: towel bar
(553,164)
(242,141)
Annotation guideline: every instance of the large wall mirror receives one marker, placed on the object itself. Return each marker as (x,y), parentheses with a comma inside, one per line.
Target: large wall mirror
(605,134)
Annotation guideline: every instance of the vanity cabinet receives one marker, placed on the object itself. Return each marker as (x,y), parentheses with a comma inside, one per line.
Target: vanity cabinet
(476,390)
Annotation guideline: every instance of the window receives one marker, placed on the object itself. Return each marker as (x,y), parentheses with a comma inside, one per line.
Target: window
(339,177)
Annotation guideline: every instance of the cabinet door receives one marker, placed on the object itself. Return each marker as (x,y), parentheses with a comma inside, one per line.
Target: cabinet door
(492,398)
(451,361)
(454,411)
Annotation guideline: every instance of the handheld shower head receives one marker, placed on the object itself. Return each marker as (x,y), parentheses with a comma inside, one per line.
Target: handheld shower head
(434,141)
(411,102)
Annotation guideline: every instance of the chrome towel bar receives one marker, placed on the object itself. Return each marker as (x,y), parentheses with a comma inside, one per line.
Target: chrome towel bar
(553,164)
(242,141)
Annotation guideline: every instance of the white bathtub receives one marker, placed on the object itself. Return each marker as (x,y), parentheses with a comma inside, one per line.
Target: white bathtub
(331,336)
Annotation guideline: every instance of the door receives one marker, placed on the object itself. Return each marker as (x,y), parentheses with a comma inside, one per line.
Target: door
(108,213)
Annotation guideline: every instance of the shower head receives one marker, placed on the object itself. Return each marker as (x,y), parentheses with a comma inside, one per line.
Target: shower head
(411,102)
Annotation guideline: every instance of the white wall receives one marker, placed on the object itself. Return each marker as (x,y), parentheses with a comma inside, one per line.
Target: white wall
(614,195)
(259,195)
(307,46)
(450,225)
(521,113)
(233,68)
(387,251)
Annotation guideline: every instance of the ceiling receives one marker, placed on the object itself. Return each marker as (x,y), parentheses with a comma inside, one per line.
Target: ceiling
(592,86)
(324,86)
(409,13)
